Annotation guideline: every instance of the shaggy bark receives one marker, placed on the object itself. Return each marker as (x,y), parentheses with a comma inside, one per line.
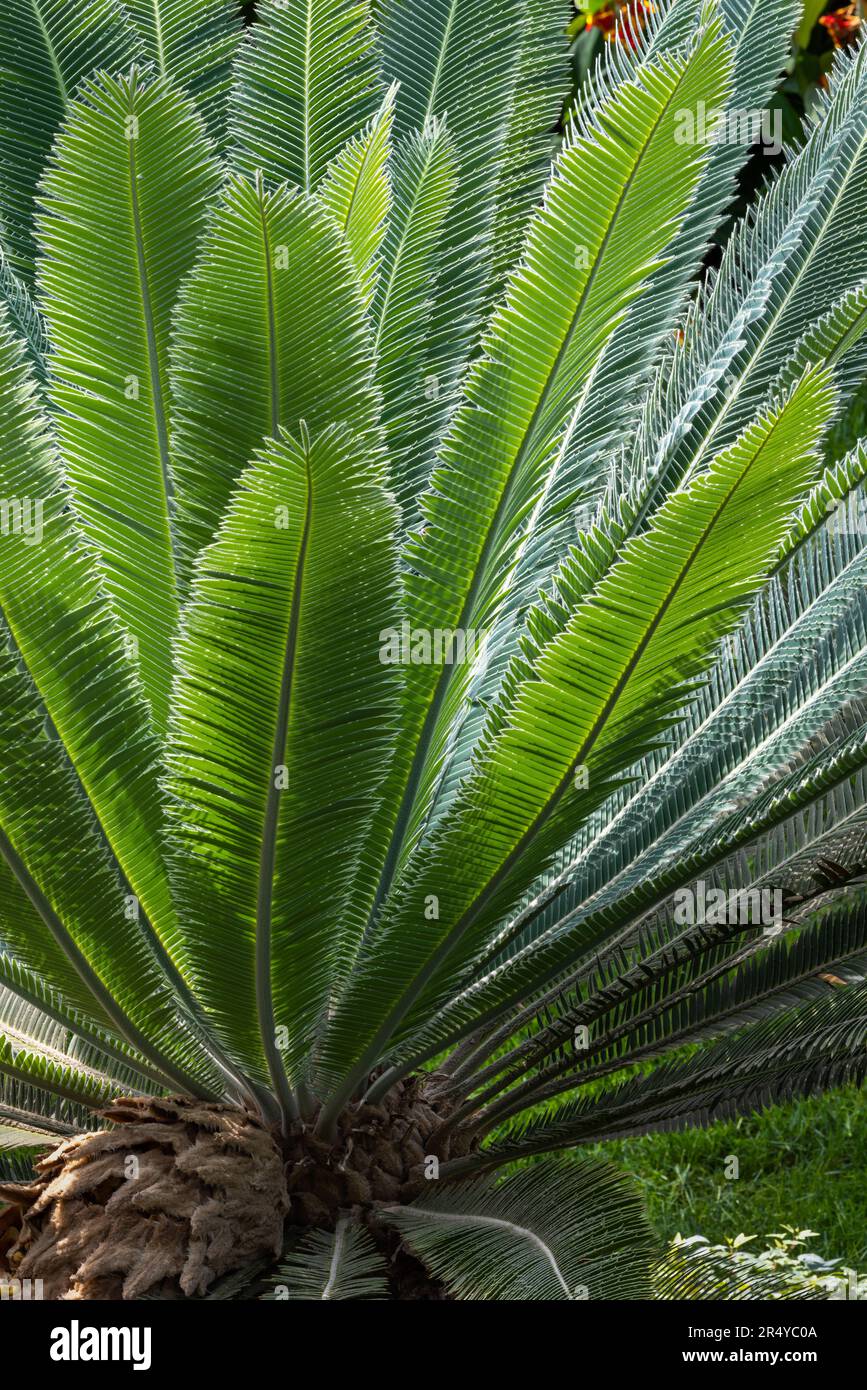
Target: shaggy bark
(175,1196)
(179,1193)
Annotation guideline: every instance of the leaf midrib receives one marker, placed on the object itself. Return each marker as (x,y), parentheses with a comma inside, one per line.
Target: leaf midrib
(51,51)
(268,853)
(308,43)
(401,246)
(158,37)
(456,1218)
(149,323)
(270,317)
(440,63)
(366,156)
(336,1254)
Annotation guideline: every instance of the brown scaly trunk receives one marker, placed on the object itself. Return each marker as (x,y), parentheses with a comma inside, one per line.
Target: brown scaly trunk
(177,1194)
(180,1193)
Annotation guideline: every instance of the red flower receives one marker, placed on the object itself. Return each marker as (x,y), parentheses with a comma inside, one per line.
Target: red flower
(606,20)
(602,19)
(842,25)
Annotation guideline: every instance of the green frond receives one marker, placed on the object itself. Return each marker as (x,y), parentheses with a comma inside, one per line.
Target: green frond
(281,731)
(775,836)
(589,248)
(55,615)
(34,991)
(52,1040)
(710,984)
(784,267)
(806,858)
(47,47)
(600,692)
(306,82)
(24,318)
(709,371)
(249,353)
(329,1265)
(433,610)
(124,202)
(830,497)
(799,1051)
(25,1106)
(424,179)
(796,658)
(48,1069)
(838,338)
(760,35)
(540,82)
(551,1232)
(88,719)
(731,347)
(356,191)
(192,43)
(734,792)
(791,968)
(435,49)
(84,929)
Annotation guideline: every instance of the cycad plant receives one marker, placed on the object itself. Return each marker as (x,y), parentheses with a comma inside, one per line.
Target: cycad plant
(433,635)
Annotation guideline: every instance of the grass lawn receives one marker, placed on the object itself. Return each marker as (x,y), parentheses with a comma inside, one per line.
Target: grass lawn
(802,1164)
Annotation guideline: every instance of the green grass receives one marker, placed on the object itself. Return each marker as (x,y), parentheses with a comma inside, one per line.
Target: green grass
(801,1164)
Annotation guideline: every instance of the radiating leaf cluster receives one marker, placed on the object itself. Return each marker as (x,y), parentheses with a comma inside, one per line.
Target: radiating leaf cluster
(422,582)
